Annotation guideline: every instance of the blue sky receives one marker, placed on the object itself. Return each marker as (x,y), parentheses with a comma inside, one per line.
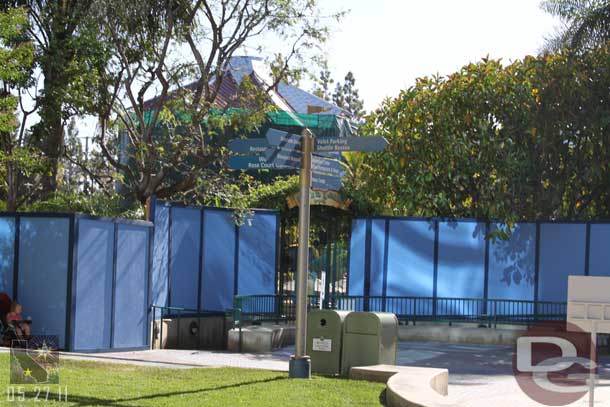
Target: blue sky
(389,43)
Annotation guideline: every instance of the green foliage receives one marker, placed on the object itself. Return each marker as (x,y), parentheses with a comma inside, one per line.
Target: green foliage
(346,96)
(586,23)
(96,203)
(19,163)
(273,195)
(522,142)
(322,84)
(16,59)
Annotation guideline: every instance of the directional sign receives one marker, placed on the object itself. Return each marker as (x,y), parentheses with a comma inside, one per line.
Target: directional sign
(335,144)
(259,162)
(321,165)
(325,182)
(248,145)
(283,139)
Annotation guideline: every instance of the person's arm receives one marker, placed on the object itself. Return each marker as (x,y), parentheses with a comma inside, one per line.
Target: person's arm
(10,317)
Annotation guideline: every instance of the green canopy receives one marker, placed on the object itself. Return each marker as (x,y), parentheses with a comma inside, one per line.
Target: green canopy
(322,125)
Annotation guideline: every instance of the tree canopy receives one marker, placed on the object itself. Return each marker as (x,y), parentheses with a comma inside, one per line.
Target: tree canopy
(586,23)
(525,141)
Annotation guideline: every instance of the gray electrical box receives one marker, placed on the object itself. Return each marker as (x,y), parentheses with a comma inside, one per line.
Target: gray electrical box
(369,338)
(324,337)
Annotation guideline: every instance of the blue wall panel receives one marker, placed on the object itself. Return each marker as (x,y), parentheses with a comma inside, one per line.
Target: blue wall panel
(410,263)
(257,255)
(184,251)
(43,274)
(562,253)
(512,264)
(7,254)
(159,280)
(93,285)
(377,257)
(130,306)
(217,281)
(461,263)
(356,257)
(599,250)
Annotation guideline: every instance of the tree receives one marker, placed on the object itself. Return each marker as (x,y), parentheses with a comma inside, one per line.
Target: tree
(19,164)
(68,57)
(346,96)
(322,84)
(586,23)
(523,142)
(169,133)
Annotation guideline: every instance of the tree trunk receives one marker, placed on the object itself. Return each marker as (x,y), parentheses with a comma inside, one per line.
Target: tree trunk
(51,113)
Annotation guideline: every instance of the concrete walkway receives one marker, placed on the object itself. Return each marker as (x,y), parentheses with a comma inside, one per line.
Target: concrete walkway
(482,376)
(185,359)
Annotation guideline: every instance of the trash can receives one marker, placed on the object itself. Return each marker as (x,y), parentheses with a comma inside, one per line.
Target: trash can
(369,338)
(324,334)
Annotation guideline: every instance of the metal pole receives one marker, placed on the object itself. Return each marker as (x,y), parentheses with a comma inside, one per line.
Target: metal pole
(593,367)
(300,366)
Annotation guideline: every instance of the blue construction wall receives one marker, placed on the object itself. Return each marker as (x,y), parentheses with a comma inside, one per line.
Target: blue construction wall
(160,264)
(410,265)
(512,266)
(599,250)
(130,311)
(218,274)
(93,285)
(43,274)
(562,253)
(71,273)
(210,259)
(185,246)
(7,253)
(357,257)
(257,254)
(413,257)
(111,284)
(461,260)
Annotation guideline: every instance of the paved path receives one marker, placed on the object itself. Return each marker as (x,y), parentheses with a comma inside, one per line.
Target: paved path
(189,359)
(482,376)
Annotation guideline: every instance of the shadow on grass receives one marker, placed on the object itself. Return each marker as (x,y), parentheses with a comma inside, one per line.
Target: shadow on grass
(121,402)
(382,398)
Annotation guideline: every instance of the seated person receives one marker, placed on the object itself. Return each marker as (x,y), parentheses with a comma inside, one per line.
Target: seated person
(15,320)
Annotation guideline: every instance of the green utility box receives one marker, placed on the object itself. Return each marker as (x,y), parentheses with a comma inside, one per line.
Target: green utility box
(324,336)
(369,338)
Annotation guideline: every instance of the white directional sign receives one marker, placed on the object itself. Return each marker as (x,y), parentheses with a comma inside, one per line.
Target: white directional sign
(589,303)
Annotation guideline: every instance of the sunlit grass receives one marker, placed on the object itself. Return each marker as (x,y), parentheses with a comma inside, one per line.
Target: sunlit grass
(107,384)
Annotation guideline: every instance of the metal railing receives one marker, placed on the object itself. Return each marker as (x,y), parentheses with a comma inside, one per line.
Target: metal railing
(248,309)
(175,313)
(259,308)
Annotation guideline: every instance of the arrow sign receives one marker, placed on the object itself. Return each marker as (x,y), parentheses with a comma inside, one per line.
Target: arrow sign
(321,165)
(334,144)
(248,145)
(325,182)
(283,139)
(259,162)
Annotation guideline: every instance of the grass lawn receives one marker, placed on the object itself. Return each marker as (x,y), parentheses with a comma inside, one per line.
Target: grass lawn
(105,384)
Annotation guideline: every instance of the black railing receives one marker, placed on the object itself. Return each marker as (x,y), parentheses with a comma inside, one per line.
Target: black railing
(253,308)
(176,313)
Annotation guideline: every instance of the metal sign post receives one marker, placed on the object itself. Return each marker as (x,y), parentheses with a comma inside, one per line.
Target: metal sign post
(300,366)
(592,371)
